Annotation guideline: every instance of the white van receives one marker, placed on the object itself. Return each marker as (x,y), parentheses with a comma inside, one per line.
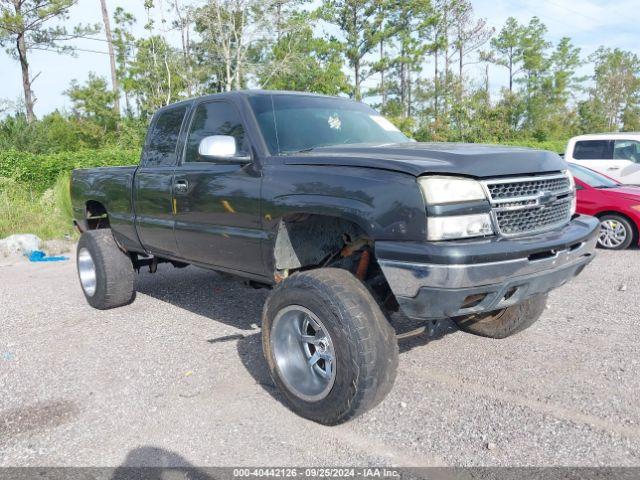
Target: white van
(616,155)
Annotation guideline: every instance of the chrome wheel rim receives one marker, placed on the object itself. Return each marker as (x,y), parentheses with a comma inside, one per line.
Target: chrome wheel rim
(87,272)
(612,233)
(303,352)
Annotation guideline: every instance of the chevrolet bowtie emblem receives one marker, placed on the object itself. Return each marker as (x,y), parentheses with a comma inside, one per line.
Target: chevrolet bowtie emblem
(545,198)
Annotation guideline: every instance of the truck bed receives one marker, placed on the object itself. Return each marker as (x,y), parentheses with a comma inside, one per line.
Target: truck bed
(111,187)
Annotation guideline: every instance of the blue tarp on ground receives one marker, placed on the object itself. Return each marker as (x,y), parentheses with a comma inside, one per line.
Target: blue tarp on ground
(40,256)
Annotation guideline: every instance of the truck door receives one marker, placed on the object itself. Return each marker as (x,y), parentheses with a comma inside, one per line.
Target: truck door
(154,182)
(218,200)
(626,159)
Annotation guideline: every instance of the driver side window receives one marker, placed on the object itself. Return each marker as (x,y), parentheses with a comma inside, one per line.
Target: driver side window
(215,118)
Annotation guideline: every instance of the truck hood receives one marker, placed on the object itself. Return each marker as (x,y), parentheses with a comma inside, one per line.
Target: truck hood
(474,160)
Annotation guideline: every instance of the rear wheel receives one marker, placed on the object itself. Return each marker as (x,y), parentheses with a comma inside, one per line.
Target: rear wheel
(505,322)
(616,232)
(106,273)
(329,347)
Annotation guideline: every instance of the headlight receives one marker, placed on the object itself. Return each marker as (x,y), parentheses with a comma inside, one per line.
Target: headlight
(459,226)
(439,190)
(572,180)
(572,183)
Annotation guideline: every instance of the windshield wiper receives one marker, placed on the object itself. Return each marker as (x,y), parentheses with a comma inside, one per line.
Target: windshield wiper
(304,150)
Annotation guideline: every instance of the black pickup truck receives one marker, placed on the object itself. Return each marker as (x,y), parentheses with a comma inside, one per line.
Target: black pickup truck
(349,221)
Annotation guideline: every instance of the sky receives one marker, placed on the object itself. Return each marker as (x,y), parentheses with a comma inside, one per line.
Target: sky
(589,23)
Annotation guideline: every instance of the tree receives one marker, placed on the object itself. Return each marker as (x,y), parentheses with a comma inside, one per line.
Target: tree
(124,46)
(469,35)
(25,26)
(153,76)
(229,29)
(360,28)
(533,47)
(565,60)
(94,101)
(382,65)
(5,106)
(112,56)
(506,48)
(184,22)
(615,94)
(536,82)
(300,61)
(445,21)
(410,30)
(151,68)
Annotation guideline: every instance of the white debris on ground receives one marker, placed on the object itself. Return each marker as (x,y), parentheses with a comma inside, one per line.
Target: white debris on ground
(59,246)
(19,244)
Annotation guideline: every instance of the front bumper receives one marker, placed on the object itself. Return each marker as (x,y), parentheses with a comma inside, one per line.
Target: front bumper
(448,279)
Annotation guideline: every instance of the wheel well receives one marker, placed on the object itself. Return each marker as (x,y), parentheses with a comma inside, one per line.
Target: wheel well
(309,241)
(633,224)
(96,216)
(305,240)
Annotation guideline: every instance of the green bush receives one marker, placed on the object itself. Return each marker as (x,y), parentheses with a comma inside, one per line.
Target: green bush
(39,172)
(57,132)
(62,194)
(34,188)
(25,211)
(558,146)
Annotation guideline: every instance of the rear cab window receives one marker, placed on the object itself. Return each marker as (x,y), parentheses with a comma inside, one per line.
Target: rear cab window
(593,150)
(160,150)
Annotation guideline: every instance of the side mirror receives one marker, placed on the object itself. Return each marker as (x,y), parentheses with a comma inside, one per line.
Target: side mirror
(221,147)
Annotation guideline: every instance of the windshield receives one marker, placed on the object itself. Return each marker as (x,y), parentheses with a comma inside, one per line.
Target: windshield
(591,178)
(295,123)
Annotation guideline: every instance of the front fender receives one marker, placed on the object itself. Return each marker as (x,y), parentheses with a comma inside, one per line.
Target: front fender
(386,205)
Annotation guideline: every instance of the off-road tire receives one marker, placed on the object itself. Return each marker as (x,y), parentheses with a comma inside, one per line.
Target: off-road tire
(114,272)
(364,341)
(506,322)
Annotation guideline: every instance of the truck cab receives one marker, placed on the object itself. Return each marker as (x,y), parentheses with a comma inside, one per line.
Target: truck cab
(616,155)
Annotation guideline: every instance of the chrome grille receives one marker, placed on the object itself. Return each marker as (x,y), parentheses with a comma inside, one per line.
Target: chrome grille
(513,222)
(528,188)
(529,205)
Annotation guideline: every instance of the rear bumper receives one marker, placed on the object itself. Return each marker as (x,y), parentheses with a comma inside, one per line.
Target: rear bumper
(449,279)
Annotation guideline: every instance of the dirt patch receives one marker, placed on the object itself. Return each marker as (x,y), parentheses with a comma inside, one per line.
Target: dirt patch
(38,416)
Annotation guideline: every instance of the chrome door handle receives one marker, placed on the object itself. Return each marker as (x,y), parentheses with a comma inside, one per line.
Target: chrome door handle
(613,168)
(181,186)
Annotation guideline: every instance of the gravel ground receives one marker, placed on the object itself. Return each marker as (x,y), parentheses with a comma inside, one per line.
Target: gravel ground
(177,378)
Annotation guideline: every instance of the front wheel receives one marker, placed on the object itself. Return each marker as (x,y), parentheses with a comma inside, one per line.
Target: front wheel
(329,348)
(505,322)
(616,232)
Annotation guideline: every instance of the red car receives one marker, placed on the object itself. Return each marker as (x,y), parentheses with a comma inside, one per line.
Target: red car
(616,205)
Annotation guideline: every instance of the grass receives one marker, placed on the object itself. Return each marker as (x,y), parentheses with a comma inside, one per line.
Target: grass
(47,215)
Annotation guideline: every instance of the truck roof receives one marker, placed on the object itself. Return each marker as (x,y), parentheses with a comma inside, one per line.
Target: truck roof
(599,136)
(247,93)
